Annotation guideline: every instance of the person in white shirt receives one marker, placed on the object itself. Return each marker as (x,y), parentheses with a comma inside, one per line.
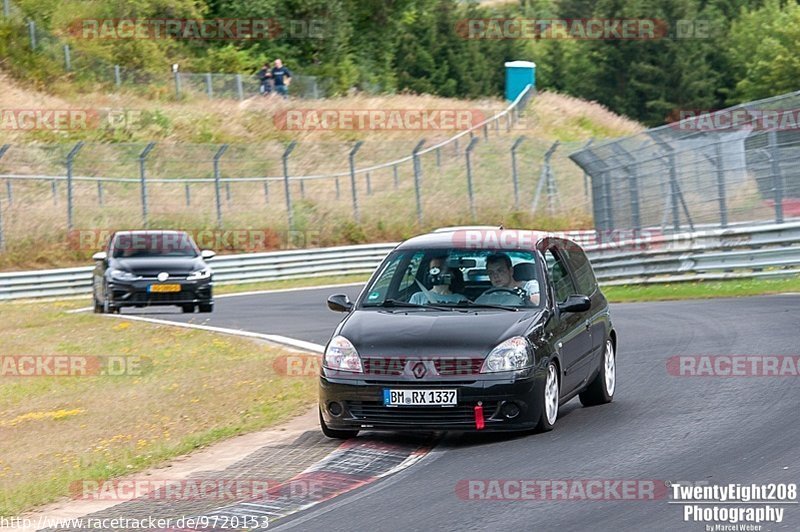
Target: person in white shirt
(501,275)
(441,277)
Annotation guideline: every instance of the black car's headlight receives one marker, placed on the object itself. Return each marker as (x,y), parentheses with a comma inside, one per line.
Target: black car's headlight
(205,273)
(122,275)
(341,355)
(511,355)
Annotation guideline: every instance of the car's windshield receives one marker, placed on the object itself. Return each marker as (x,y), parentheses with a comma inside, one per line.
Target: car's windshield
(153,244)
(451,278)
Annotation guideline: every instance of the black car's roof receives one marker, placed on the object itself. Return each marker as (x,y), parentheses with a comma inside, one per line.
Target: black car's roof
(151,232)
(480,238)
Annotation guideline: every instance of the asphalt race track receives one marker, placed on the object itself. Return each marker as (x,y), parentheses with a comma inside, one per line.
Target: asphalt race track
(714,430)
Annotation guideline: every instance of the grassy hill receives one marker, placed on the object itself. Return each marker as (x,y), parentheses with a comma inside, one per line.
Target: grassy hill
(188,132)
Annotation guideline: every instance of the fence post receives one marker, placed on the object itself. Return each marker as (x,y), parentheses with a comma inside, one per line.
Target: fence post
(719,164)
(438,158)
(338,188)
(67,59)
(285,158)
(585,175)
(32,33)
(54,188)
(417,178)
(467,154)
(117,77)
(777,177)
(485,131)
(142,179)
(239,88)
(633,188)
(266,190)
(369,184)
(188,194)
(220,151)
(3,149)
(177,84)
(394,175)
(70,159)
(209,87)
(100,193)
(546,180)
(352,159)
(514,174)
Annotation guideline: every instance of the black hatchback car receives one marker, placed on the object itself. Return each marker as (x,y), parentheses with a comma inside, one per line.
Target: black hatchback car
(144,268)
(469,330)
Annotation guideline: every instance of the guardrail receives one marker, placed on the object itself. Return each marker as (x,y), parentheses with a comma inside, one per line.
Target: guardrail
(746,252)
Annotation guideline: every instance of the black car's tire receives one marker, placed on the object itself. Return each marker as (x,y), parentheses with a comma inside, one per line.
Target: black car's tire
(206,307)
(187,309)
(336,434)
(601,390)
(551,393)
(108,308)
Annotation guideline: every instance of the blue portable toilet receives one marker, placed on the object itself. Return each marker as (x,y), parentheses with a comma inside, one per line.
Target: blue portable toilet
(519,74)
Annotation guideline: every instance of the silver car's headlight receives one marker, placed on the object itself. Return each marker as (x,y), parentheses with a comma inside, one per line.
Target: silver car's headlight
(205,273)
(122,275)
(513,354)
(341,355)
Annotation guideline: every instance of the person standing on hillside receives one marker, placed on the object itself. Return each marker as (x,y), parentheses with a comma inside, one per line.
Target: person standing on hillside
(281,78)
(265,79)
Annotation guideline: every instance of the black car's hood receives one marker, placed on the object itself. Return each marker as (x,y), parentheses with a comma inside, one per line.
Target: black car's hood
(152,266)
(433,333)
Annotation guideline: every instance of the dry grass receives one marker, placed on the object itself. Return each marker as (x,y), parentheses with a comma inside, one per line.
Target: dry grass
(54,430)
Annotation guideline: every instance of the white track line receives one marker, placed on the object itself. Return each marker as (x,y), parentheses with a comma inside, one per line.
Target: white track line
(254,293)
(275,338)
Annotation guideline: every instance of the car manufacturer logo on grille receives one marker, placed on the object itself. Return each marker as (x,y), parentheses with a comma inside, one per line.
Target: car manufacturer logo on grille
(419,370)
(163,276)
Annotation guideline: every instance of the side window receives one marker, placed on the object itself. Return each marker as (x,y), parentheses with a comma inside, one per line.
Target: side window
(411,273)
(582,269)
(558,273)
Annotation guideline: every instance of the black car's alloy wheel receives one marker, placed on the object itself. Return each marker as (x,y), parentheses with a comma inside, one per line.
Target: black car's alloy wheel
(551,394)
(601,390)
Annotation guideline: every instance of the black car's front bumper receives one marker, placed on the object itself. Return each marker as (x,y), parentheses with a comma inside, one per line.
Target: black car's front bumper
(137,294)
(362,408)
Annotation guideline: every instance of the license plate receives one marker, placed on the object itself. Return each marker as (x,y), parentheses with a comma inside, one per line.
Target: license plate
(164,288)
(419,397)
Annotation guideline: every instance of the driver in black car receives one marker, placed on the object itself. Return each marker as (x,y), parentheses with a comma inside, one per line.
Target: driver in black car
(501,275)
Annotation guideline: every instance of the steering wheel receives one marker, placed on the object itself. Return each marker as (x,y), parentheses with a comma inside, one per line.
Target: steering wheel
(501,289)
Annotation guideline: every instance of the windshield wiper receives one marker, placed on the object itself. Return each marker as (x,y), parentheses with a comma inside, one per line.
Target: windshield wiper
(396,303)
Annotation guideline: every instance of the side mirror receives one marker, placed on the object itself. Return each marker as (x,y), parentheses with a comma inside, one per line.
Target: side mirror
(576,303)
(100,256)
(340,303)
(207,254)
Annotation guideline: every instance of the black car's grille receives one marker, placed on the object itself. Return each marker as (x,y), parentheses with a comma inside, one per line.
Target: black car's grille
(446,366)
(374,412)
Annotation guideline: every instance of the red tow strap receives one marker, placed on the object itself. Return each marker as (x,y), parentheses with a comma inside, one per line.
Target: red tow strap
(479,424)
